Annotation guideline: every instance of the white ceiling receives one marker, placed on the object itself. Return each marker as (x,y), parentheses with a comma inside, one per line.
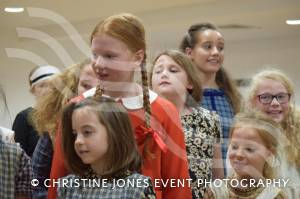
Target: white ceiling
(165,21)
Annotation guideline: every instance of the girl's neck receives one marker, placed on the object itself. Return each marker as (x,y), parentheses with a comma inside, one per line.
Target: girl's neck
(179,102)
(128,90)
(98,170)
(208,80)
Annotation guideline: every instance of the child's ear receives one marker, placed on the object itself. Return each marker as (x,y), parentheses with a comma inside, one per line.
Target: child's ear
(139,57)
(189,86)
(188,51)
(271,159)
(32,90)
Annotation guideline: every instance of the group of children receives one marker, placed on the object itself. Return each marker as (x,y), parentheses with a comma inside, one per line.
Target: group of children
(120,129)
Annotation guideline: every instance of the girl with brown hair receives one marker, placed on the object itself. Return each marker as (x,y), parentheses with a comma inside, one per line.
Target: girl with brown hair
(99,143)
(174,77)
(204,44)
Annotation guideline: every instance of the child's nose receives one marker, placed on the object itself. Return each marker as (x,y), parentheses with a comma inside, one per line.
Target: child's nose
(275,102)
(99,63)
(79,140)
(215,50)
(240,154)
(165,73)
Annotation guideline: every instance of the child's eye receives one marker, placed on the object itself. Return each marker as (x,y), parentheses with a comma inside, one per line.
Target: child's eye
(249,149)
(234,147)
(220,48)
(158,70)
(207,46)
(87,132)
(94,56)
(109,56)
(173,70)
(86,86)
(74,133)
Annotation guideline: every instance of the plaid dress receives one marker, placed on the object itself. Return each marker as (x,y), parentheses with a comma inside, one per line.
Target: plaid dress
(109,190)
(216,100)
(15,171)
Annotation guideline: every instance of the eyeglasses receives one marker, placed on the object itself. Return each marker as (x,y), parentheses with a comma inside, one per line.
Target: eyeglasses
(281,98)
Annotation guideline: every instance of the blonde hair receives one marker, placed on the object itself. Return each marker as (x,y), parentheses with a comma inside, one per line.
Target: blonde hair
(49,107)
(128,29)
(195,94)
(268,130)
(290,124)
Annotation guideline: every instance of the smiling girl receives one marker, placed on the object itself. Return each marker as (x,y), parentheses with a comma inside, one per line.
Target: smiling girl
(272,93)
(254,153)
(205,45)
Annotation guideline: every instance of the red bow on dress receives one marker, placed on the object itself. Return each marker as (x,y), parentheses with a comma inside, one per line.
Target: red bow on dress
(141,132)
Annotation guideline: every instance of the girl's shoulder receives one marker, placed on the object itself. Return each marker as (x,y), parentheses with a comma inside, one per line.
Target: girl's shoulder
(213,115)
(163,109)
(162,103)
(204,115)
(138,176)
(70,177)
(144,186)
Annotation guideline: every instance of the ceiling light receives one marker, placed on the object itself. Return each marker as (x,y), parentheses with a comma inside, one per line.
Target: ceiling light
(13,9)
(293,22)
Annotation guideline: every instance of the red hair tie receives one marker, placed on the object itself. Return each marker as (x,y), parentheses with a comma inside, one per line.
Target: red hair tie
(141,132)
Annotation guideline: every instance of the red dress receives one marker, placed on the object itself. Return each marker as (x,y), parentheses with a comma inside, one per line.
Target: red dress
(163,166)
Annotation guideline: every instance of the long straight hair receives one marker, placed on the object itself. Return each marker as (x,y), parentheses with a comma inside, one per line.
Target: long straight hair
(122,154)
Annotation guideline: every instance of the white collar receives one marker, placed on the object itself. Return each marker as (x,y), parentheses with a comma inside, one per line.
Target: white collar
(135,102)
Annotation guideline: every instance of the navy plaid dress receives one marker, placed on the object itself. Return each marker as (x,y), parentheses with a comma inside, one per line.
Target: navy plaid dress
(107,191)
(41,164)
(216,100)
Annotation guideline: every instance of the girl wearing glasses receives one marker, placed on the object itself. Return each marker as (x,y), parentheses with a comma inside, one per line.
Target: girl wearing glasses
(272,93)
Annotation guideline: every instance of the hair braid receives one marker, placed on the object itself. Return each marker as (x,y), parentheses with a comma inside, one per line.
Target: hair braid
(146,105)
(146,97)
(98,93)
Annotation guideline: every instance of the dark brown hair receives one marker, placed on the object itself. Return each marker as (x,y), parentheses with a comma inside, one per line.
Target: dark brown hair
(194,94)
(122,154)
(223,80)
(191,37)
